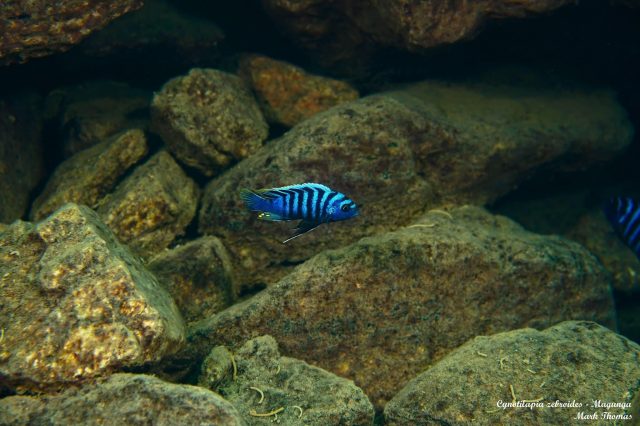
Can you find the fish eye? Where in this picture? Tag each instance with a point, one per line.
(345, 207)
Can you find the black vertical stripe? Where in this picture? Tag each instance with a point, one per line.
(290, 202)
(325, 205)
(317, 211)
(298, 207)
(309, 204)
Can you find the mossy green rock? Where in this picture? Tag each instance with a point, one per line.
(75, 304)
(266, 381)
(579, 362)
(385, 308)
(122, 399)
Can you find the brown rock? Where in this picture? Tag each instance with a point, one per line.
(573, 362)
(387, 307)
(119, 400)
(21, 153)
(403, 152)
(89, 175)
(208, 119)
(287, 94)
(342, 32)
(308, 394)
(39, 28)
(199, 277)
(151, 206)
(75, 304)
(91, 112)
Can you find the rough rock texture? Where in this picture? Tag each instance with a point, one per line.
(387, 307)
(572, 361)
(89, 175)
(199, 277)
(21, 159)
(75, 304)
(131, 399)
(39, 28)
(287, 94)
(594, 231)
(342, 32)
(159, 38)
(151, 206)
(91, 112)
(208, 119)
(403, 152)
(266, 381)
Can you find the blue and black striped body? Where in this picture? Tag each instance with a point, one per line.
(311, 203)
(624, 215)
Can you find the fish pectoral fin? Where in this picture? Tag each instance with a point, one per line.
(271, 217)
(302, 228)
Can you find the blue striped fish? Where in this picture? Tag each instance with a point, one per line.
(624, 215)
(311, 203)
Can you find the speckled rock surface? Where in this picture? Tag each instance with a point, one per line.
(385, 308)
(343, 32)
(208, 119)
(122, 399)
(199, 277)
(89, 175)
(39, 28)
(75, 304)
(572, 361)
(91, 112)
(267, 382)
(151, 206)
(287, 94)
(21, 153)
(403, 152)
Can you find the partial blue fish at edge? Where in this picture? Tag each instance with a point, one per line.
(311, 203)
(624, 215)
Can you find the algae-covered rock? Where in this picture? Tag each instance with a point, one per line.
(21, 153)
(37, 28)
(401, 153)
(122, 399)
(287, 94)
(579, 364)
(75, 304)
(387, 307)
(296, 392)
(89, 175)
(208, 119)
(199, 277)
(151, 206)
(91, 112)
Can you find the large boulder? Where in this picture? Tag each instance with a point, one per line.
(402, 152)
(75, 304)
(208, 119)
(119, 400)
(39, 28)
(343, 32)
(571, 373)
(387, 307)
(257, 380)
(88, 176)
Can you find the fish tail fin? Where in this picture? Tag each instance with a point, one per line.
(253, 200)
